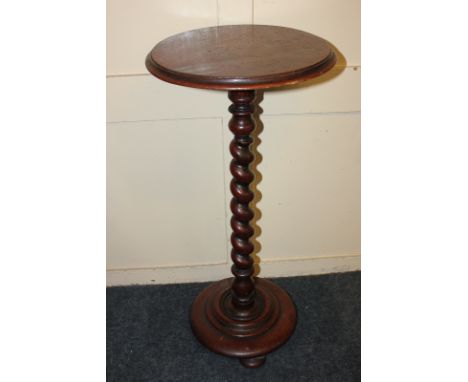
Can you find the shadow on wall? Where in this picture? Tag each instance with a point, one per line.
(334, 72)
(257, 179)
(339, 68)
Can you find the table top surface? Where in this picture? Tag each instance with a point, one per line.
(237, 57)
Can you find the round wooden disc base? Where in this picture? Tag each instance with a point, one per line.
(248, 335)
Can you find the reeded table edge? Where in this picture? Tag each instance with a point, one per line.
(228, 83)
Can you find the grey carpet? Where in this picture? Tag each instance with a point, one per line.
(149, 336)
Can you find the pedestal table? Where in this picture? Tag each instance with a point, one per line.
(244, 316)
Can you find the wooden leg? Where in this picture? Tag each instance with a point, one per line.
(253, 362)
(244, 316)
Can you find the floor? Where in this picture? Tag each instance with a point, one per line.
(149, 336)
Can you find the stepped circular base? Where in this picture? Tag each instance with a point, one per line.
(248, 336)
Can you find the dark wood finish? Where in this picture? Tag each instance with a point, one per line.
(244, 316)
(270, 323)
(240, 57)
(242, 125)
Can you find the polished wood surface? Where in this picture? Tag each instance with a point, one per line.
(240, 57)
(242, 125)
(270, 323)
(244, 316)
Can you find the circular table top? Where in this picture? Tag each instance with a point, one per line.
(236, 57)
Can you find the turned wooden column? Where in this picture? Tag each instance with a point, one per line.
(242, 125)
(244, 316)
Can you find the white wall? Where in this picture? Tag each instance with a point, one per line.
(168, 194)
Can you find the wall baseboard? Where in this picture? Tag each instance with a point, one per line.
(268, 268)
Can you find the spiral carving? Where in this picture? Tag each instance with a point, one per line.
(242, 125)
(245, 316)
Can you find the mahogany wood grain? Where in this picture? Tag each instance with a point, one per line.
(244, 316)
(237, 57)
